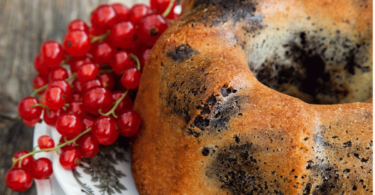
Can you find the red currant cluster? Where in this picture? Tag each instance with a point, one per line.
(78, 86)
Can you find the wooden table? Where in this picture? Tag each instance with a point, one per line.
(24, 26)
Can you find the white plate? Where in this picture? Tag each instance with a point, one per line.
(108, 173)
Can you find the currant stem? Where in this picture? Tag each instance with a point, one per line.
(169, 8)
(112, 111)
(34, 149)
(106, 71)
(135, 58)
(99, 38)
(36, 91)
(41, 105)
(74, 75)
(170, 21)
(50, 149)
(67, 58)
(19, 164)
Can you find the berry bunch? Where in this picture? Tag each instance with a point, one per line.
(83, 86)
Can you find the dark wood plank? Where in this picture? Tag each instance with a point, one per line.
(24, 26)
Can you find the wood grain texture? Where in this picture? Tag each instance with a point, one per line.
(24, 26)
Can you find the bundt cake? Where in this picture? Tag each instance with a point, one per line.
(257, 97)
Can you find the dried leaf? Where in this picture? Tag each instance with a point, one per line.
(104, 163)
(111, 170)
(117, 190)
(95, 160)
(120, 174)
(87, 171)
(118, 150)
(86, 192)
(103, 181)
(85, 160)
(107, 149)
(76, 173)
(83, 185)
(112, 184)
(95, 168)
(110, 191)
(111, 159)
(121, 186)
(102, 169)
(120, 156)
(101, 186)
(94, 179)
(112, 179)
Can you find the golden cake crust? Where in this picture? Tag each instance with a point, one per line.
(210, 127)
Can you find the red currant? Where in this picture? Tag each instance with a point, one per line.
(69, 125)
(40, 66)
(87, 72)
(27, 110)
(62, 140)
(77, 86)
(107, 80)
(143, 55)
(42, 168)
(88, 145)
(160, 6)
(88, 121)
(52, 53)
(76, 62)
(137, 12)
(70, 158)
(129, 122)
(76, 97)
(55, 97)
(78, 25)
(120, 62)
(91, 84)
(134, 45)
(45, 142)
(95, 31)
(18, 179)
(39, 82)
(122, 34)
(26, 163)
(97, 98)
(51, 118)
(131, 78)
(125, 104)
(58, 73)
(30, 123)
(103, 17)
(64, 86)
(76, 108)
(172, 16)
(105, 130)
(102, 52)
(150, 28)
(42, 98)
(77, 43)
(122, 11)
